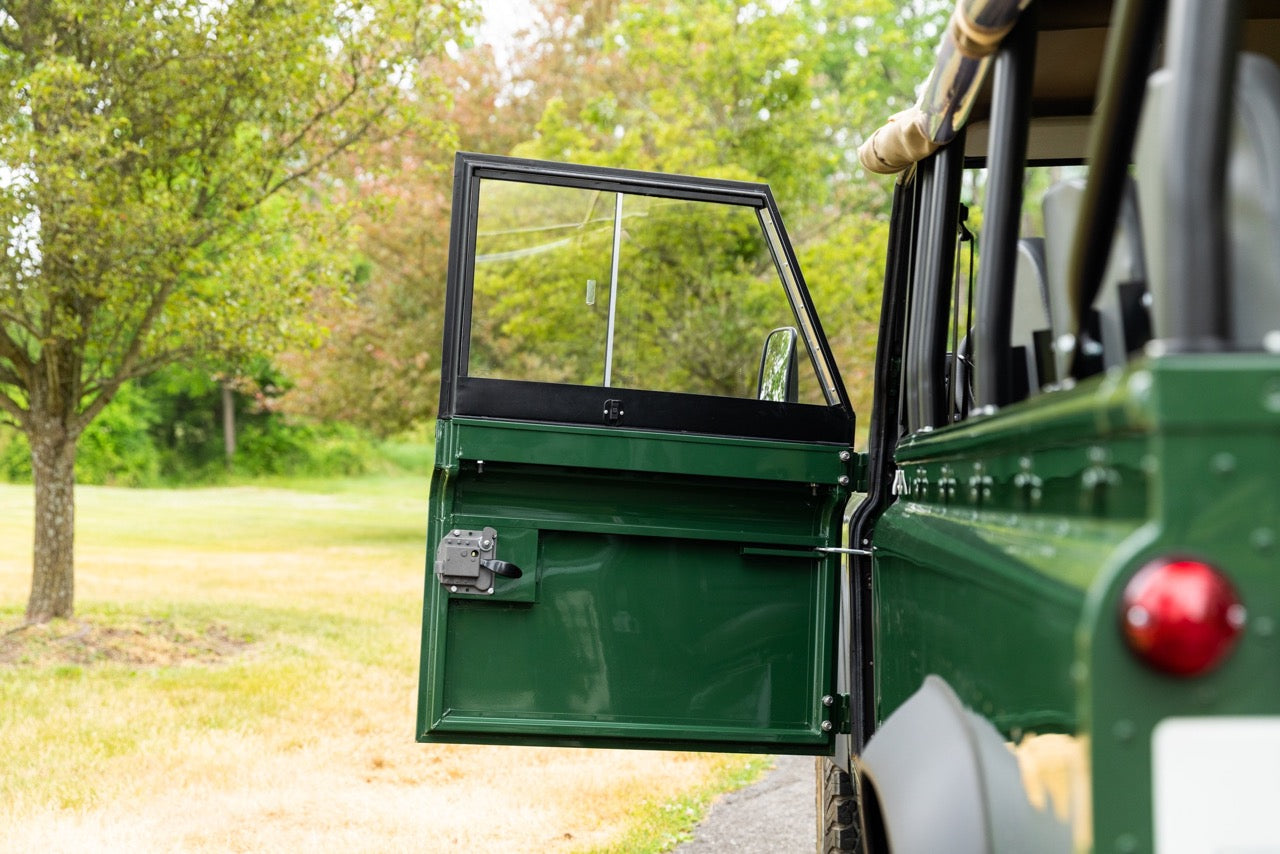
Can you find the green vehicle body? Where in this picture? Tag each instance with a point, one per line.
(689, 571)
(1013, 597)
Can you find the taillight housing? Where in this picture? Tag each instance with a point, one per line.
(1181, 616)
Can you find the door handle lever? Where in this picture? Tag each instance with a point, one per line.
(465, 562)
(505, 568)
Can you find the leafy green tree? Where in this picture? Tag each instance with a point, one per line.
(162, 165)
(774, 92)
(379, 364)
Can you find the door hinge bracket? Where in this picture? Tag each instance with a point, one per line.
(465, 561)
(860, 468)
(836, 711)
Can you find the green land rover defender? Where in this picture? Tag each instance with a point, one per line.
(1039, 612)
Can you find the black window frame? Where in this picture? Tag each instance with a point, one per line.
(465, 395)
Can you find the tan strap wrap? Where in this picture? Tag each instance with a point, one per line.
(902, 141)
(972, 39)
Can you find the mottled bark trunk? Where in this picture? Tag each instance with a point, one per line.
(228, 425)
(53, 462)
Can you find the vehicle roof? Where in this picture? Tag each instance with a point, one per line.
(1069, 55)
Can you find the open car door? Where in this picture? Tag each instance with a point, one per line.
(637, 488)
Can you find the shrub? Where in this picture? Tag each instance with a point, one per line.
(115, 449)
(15, 456)
(168, 430)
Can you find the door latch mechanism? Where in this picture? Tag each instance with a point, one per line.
(465, 561)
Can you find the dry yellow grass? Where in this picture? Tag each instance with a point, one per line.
(294, 733)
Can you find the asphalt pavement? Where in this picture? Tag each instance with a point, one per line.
(774, 816)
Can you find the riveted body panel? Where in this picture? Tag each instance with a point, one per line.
(1010, 590)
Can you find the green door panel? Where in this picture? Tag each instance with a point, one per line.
(642, 450)
(655, 608)
(644, 637)
(627, 523)
(638, 482)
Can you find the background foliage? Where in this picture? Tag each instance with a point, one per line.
(166, 430)
(776, 92)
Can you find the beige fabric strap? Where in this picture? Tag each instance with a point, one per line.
(902, 141)
(907, 138)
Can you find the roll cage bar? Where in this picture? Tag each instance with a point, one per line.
(1200, 43)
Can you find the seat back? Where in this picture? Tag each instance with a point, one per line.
(1253, 201)
(1253, 205)
(1030, 315)
(1115, 326)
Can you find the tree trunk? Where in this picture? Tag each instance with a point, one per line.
(228, 425)
(53, 469)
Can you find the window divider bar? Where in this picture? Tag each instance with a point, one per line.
(613, 290)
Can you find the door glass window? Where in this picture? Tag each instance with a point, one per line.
(593, 287)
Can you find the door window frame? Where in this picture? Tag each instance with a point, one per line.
(464, 395)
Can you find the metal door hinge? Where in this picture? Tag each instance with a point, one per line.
(837, 714)
(857, 467)
(465, 561)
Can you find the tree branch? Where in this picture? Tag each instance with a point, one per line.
(11, 408)
(326, 112)
(9, 349)
(351, 139)
(18, 320)
(357, 135)
(103, 394)
(140, 369)
(129, 361)
(8, 377)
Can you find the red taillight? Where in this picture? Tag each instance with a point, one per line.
(1181, 616)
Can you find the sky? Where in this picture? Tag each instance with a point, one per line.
(502, 18)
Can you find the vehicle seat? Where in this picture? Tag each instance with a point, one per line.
(1029, 334)
(1117, 324)
(1253, 201)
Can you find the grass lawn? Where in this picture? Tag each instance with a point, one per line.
(241, 676)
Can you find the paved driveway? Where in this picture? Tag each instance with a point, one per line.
(773, 816)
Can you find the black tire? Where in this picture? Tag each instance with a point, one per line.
(839, 819)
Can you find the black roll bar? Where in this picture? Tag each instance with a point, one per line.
(939, 178)
(1010, 117)
(1131, 47)
(1203, 41)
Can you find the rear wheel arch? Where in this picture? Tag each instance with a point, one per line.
(938, 777)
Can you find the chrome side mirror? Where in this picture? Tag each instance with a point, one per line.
(779, 376)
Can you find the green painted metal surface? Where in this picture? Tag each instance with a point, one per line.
(1215, 455)
(643, 451)
(671, 595)
(1001, 565)
(982, 566)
